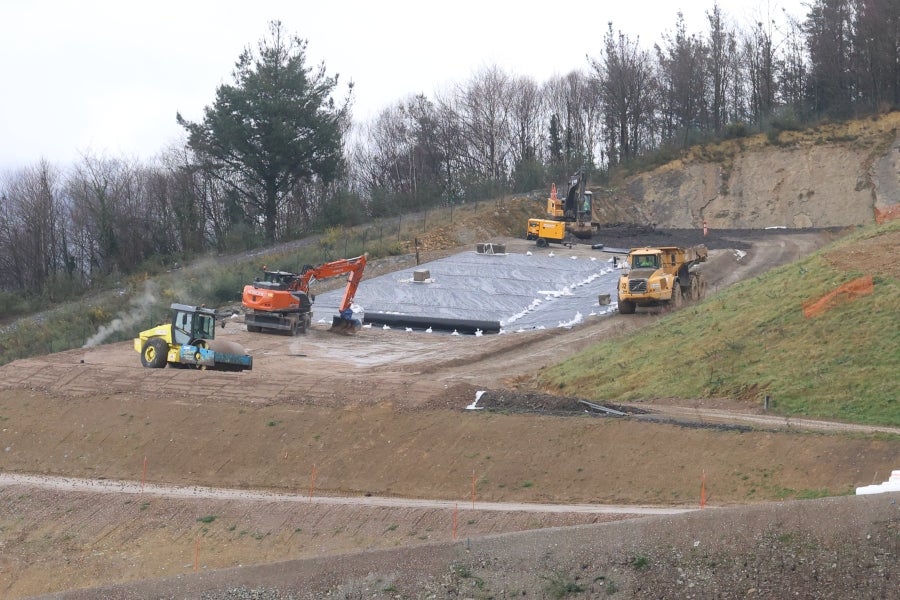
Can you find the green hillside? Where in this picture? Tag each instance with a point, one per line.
(752, 340)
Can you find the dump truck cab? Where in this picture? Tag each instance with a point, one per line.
(645, 261)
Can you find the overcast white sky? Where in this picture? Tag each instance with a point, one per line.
(106, 77)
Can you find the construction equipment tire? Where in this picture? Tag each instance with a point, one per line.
(153, 354)
(627, 307)
(677, 295)
(697, 285)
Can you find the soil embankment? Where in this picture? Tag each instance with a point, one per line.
(379, 415)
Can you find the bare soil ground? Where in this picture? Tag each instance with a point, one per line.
(336, 444)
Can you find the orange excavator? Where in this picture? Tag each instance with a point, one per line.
(281, 301)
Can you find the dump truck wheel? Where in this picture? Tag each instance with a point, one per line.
(627, 307)
(153, 355)
(677, 295)
(697, 286)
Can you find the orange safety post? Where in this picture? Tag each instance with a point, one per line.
(705, 229)
(143, 477)
(455, 510)
(703, 489)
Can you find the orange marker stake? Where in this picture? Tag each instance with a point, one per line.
(703, 489)
(143, 477)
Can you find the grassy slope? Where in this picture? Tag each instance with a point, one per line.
(752, 340)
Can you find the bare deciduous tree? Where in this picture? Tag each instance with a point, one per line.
(682, 78)
(721, 44)
(32, 232)
(627, 87)
(876, 60)
(829, 31)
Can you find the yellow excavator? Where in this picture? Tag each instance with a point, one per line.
(189, 341)
(572, 214)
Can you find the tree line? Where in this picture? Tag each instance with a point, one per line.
(277, 154)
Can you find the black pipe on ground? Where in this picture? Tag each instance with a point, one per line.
(463, 326)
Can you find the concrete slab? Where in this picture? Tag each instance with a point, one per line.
(523, 291)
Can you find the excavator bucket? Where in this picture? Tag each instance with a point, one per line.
(345, 326)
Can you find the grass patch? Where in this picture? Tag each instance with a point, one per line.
(752, 340)
(560, 585)
(207, 519)
(640, 562)
(464, 572)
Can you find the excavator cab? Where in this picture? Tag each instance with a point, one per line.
(276, 280)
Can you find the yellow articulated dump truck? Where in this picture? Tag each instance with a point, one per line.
(666, 275)
(188, 340)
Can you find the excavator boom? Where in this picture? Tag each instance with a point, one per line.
(344, 321)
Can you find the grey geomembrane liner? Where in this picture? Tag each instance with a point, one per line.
(521, 291)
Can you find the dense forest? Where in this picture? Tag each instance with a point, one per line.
(278, 154)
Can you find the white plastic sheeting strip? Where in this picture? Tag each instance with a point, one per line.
(891, 485)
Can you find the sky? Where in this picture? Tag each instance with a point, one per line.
(106, 78)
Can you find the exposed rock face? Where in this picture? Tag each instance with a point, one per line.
(833, 176)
